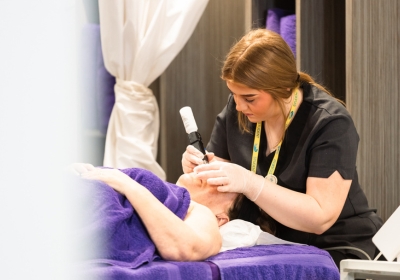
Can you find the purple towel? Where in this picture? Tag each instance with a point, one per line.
(113, 227)
(288, 31)
(276, 262)
(274, 16)
(284, 23)
(159, 269)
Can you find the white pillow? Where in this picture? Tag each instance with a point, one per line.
(239, 233)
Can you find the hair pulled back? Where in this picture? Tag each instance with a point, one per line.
(262, 60)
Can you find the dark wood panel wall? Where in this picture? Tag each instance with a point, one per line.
(193, 79)
(373, 96)
(321, 43)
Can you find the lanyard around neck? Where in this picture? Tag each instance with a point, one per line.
(257, 137)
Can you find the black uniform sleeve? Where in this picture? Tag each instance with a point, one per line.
(334, 148)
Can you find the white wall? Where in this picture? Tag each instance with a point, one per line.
(38, 128)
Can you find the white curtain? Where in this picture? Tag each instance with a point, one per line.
(139, 40)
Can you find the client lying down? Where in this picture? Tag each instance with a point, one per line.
(182, 227)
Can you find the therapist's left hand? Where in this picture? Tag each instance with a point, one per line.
(230, 177)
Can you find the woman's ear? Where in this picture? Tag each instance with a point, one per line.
(222, 219)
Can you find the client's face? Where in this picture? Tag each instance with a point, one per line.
(205, 194)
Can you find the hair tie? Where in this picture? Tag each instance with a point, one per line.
(298, 78)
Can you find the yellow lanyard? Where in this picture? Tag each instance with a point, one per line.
(257, 137)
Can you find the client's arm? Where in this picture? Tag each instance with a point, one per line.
(197, 237)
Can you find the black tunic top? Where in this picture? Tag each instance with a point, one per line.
(321, 139)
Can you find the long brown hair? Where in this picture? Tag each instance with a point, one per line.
(262, 60)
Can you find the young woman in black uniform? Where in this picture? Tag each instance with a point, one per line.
(290, 147)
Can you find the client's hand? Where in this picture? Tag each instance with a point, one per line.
(230, 177)
(192, 158)
(78, 168)
(116, 179)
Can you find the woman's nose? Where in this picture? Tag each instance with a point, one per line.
(240, 105)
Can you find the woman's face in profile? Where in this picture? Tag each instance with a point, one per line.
(203, 193)
(256, 105)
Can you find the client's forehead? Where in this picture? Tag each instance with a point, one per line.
(206, 194)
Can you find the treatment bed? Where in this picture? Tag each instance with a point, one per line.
(119, 246)
(258, 262)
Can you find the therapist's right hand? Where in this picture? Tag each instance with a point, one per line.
(192, 158)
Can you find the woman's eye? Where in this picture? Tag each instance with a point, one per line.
(249, 100)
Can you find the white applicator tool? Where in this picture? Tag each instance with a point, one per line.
(191, 130)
